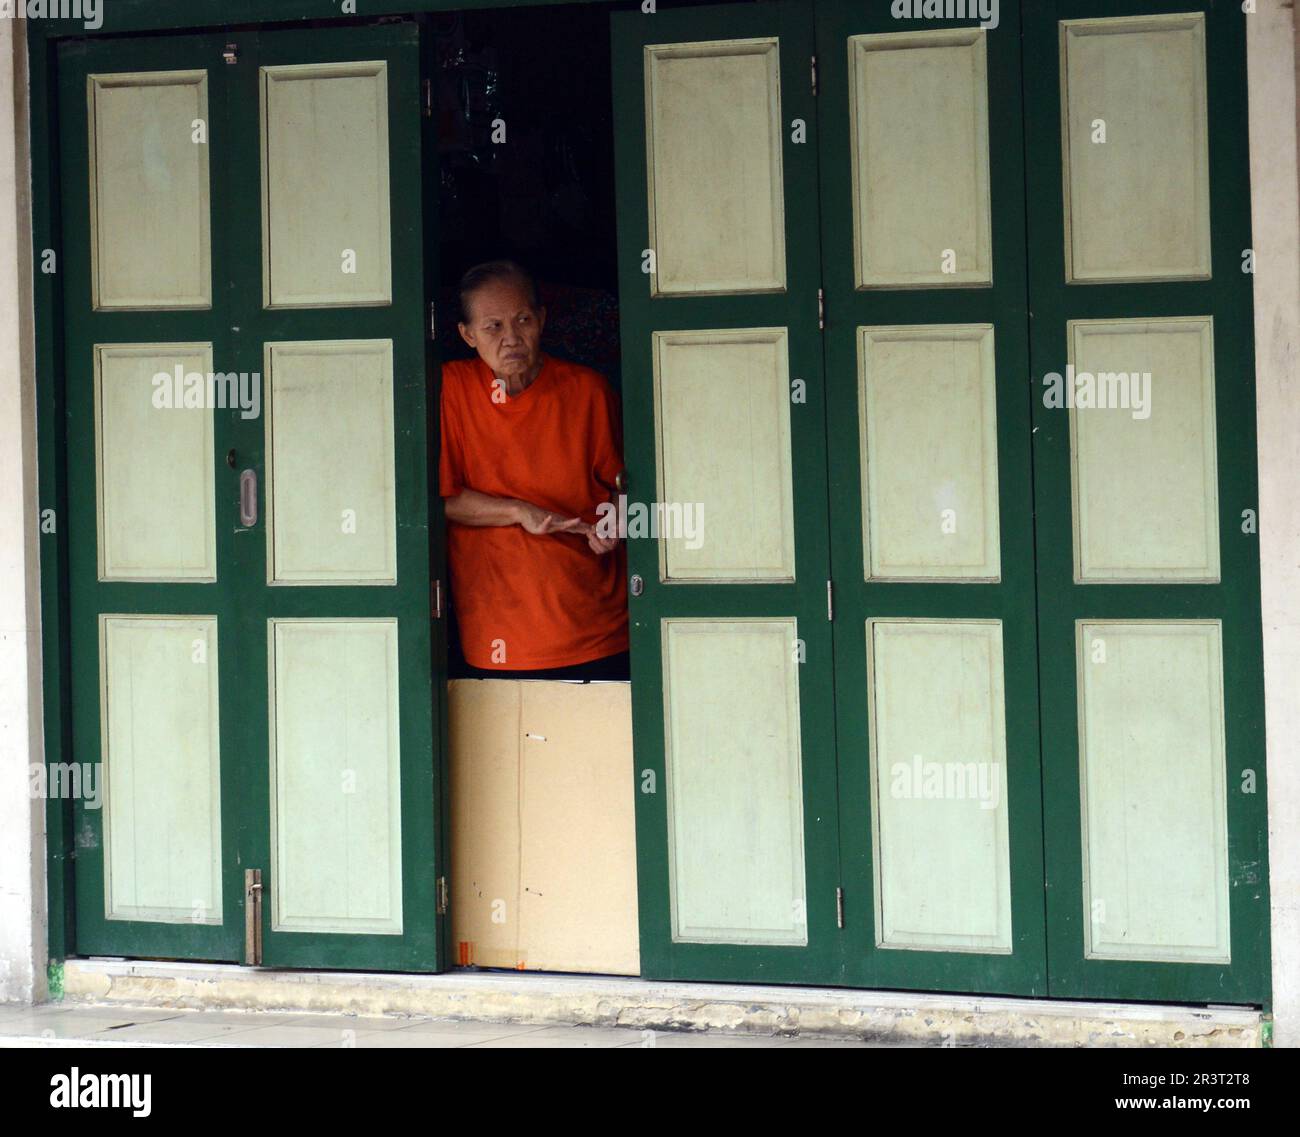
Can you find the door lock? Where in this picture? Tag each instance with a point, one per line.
(637, 583)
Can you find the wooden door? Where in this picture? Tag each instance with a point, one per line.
(1149, 609)
(931, 515)
(724, 410)
(251, 638)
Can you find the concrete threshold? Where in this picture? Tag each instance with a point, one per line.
(890, 1017)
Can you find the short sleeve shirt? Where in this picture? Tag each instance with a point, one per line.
(526, 602)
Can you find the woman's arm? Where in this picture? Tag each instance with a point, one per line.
(470, 507)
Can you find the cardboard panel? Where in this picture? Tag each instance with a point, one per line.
(543, 832)
(577, 892)
(483, 727)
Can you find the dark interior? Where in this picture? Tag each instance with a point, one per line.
(545, 197)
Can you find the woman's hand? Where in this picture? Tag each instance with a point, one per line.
(541, 523)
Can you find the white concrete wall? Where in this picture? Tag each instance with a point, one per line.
(1275, 222)
(22, 819)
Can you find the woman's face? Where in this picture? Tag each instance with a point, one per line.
(505, 329)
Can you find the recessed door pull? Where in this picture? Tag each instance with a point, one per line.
(248, 499)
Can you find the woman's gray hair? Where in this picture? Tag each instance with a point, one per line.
(489, 272)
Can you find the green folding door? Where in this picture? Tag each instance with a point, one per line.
(247, 470)
(856, 249)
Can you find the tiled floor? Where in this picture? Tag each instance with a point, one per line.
(61, 1025)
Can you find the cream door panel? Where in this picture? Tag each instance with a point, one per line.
(713, 142)
(918, 113)
(1144, 467)
(1153, 788)
(150, 238)
(155, 495)
(938, 786)
(734, 781)
(336, 826)
(722, 423)
(1134, 140)
(927, 419)
(331, 497)
(161, 768)
(325, 202)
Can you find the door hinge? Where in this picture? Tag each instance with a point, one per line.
(814, 76)
(830, 600)
(821, 308)
(252, 917)
(442, 897)
(426, 90)
(839, 907)
(435, 600)
(433, 322)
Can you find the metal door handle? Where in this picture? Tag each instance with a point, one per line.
(248, 498)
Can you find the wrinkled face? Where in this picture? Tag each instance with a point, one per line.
(505, 329)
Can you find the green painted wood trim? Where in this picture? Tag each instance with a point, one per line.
(417, 948)
(795, 309)
(81, 329)
(120, 16)
(1236, 601)
(1011, 601)
(52, 493)
(241, 598)
(436, 512)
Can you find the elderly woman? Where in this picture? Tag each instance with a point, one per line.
(531, 446)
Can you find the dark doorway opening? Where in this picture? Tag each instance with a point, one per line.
(526, 172)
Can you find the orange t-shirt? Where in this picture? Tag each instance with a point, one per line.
(539, 601)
